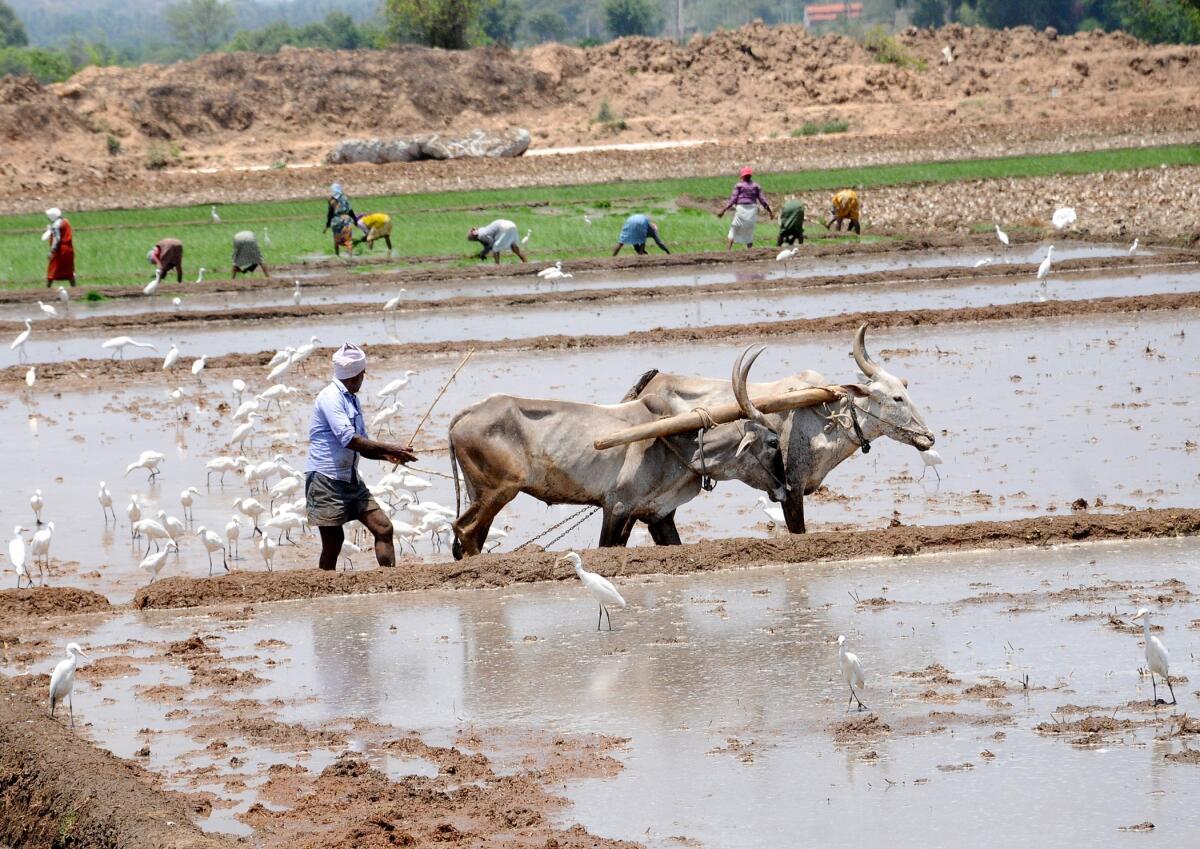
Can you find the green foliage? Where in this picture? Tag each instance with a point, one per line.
(159, 156)
(1160, 21)
(966, 15)
(501, 20)
(1060, 14)
(929, 13)
(201, 26)
(890, 51)
(49, 66)
(632, 17)
(813, 128)
(12, 31)
(605, 113)
(434, 23)
(338, 32)
(546, 25)
(113, 144)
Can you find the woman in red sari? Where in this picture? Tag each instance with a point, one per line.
(62, 249)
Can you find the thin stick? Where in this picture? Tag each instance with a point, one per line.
(438, 397)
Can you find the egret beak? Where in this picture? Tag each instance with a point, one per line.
(84, 656)
(1137, 617)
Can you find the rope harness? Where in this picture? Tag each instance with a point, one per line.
(848, 419)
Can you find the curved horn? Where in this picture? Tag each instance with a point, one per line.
(741, 370)
(860, 353)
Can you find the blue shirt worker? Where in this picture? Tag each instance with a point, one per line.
(333, 489)
(636, 229)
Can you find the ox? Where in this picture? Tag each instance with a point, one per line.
(507, 445)
(815, 440)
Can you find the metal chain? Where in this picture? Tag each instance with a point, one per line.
(557, 525)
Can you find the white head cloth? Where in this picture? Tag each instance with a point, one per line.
(349, 361)
(54, 213)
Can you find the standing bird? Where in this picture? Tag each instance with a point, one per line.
(118, 344)
(1063, 217)
(932, 460)
(600, 587)
(528, 233)
(18, 344)
(239, 386)
(392, 389)
(31, 376)
(186, 499)
(48, 309)
(771, 511)
(1132, 250)
(296, 296)
(198, 364)
(266, 237)
(177, 303)
(39, 547)
(153, 563)
(174, 528)
(216, 219)
(1002, 236)
(1044, 268)
(233, 532)
(171, 358)
(391, 303)
(105, 499)
(251, 508)
(243, 431)
(786, 254)
(212, 543)
(221, 465)
(36, 502)
(148, 460)
(266, 547)
(386, 415)
(152, 286)
(200, 276)
(555, 270)
(852, 672)
(1157, 657)
(63, 296)
(16, 553)
(134, 512)
(62, 680)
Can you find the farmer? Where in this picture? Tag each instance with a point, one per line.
(167, 255)
(634, 232)
(333, 489)
(378, 225)
(340, 216)
(791, 223)
(246, 254)
(497, 237)
(845, 208)
(61, 264)
(746, 197)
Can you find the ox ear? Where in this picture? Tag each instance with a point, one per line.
(748, 439)
(658, 406)
(856, 390)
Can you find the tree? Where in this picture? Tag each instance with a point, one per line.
(1159, 21)
(1060, 14)
(200, 25)
(436, 23)
(929, 13)
(500, 20)
(632, 17)
(547, 25)
(12, 31)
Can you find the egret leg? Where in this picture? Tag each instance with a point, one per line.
(1153, 689)
(210, 565)
(1172, 689)
(939, 474)
(71, 707)
(599, 617)
(924, 472)
(224, 560)
(608, 616)
(52, 704)
(861, 706)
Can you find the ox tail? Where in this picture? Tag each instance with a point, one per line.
(457, 484)
(632, 394)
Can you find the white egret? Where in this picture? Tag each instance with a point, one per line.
(386, 415)
(216, 219)
(349, 548)
(106, 501)
(37, 503)
(134, 511)
(39, 548)
(852, 672)
(251, 508)
(177, 303)
(62, 680)
(278, 371)
(391, 303)
(152, 530)
(31, 376)
(148, 460)
(786, 254)
(1044, 268)
(16, 553)
(296, 296)
(1157, 657)
(153, 563)
(187, 498)
(772, 511)
(63, 295)
(200, 276)
(243, 432)
(244, 409)
(233, 532)
(198, 364)
(179, 398)
(1063, 217)
(18, 344)
(48, 309)
(1002, 236)
(266, 237)
(152, 287)
(554, 270)
(276, 393)
(286, 487)
(118, 344)
(174, 528)
(1133, 247)
(528, 233)
(171, 358)
(212, 543)
(599, 586)
(283, 522)
(982, 262)
(392, 388)
(947, 54)
(304, 351)
(281, 355)
(266, 547)
(239, 386)
(932, 460)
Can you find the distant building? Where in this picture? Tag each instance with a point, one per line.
(827, 13)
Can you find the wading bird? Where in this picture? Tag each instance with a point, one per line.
(1157, 657)
(296, 296)
(118, 344)
(175, 528)
(266, 547)
(152, 530)
(243, 432)
(31, 376)
(186, 498)
(600, 587)
(198, 364)
(772, 511)
(786, 254)
(39, 548)
(982, 262)
(1002, 236)
(239, 386)
(1132, 249)
(1044, 268)
(18, 344)
(36, 502)
(1063, 217)
(528, 233)
(48, 309)
(105, 499)
(152, 286)
(391, 303)
(392, 388)
(63, 296)
(200, 276)
(171, 358)
(153, 563)
(16, 553)
(386, 415)
(212, 543)
(216, 219)
(251, 508)
(233, 532)
(134, 511)
(932, 460)
(852, 672)
(62, 680)
(148, 460)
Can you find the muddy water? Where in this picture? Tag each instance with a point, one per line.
(726, 685)
(1096, 412)
(219, 338)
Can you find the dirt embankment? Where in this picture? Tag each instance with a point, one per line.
(522, 567)
(756, 82)
(45, 601)
(58, 790)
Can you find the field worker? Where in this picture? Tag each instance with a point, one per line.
(333, 489)
(845, 208)
(61, 260)
(497, 237)
(635, 230)
(378, 225)
(340, 216)
(167, 255)
(791, 223)
(246, 254)
(745, 199)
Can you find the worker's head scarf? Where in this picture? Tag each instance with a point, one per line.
(150, 257)
(54, 213)
(349, 361)
(336, 190)
(747, 172)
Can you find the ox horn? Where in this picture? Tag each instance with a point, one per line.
(741, 370)
(860, 353)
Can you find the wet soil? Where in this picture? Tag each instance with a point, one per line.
(504, 569)
(49, 601)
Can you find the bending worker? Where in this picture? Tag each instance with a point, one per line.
(791, 223)
(378, 226)
(247, 255)
(333, 489)
(496, 238)
(845, 208)
(635, 230)
(164, 256)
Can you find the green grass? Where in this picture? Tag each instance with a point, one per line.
(812, 128)
(111, 245)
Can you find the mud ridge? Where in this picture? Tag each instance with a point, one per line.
(525, 567)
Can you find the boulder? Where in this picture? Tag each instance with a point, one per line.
(478, 144)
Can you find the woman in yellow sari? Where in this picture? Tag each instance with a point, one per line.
(845, 208)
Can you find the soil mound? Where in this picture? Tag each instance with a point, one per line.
(43, 601)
